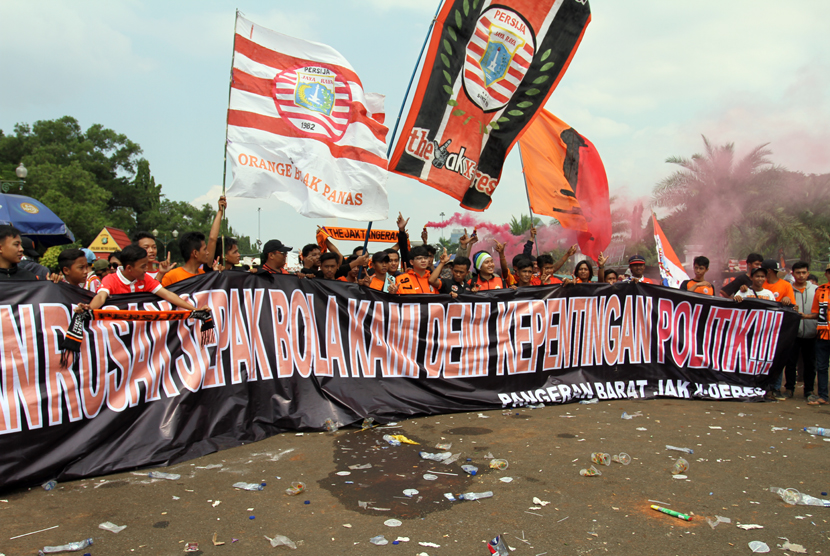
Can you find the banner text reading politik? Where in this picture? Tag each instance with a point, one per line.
(291, 353)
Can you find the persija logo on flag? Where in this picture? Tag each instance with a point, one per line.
(490, 68)
(301, 128)
(670, 268)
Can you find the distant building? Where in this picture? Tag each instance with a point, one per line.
(456, 235)
(108, 241)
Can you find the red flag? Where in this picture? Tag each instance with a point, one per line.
(489, 69)
(566, 180)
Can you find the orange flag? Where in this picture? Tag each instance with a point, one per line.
(566, 179)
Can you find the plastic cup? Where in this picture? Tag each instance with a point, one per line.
(601, 458)
(680, 466)
(622, 458)
(296, 488)
(499, 464)
(590, 472)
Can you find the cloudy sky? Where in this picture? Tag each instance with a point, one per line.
(649, 79)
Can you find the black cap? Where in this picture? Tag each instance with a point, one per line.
(770, 264)
(380, 257)
(273, 245)
(29, 248)
(636, 259)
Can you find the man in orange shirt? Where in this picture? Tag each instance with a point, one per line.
(781, 289)
(416, 279)
(195, 251)
(819, 312)
(698, 284)
(381, 280)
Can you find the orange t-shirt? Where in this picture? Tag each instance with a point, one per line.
(706, 290)
(494, 283)
(537, 280)
(177, 275)
(780, 290)
(410, 282)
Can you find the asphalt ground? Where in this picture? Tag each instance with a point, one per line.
(740, 450)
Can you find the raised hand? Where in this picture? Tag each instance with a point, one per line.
(532, 233)
(424, 235)
(402, 222)
(601, 260)
(499, 247)
(166, 266)
(572, 250)
(223, 203)
(464, 239)
(444, 257)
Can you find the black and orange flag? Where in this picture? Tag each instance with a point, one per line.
(490, 68)
(566, 179)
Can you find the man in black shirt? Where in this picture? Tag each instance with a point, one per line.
(460, 270)
(753, 261)
(11, 251)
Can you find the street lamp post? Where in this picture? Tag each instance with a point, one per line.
(164, 241)
(442, 229)
(21, 173)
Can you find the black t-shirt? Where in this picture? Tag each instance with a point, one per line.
(316, 272)
(14, 272)
(450, 286)
(732, 287)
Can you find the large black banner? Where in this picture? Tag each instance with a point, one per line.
(291, 353)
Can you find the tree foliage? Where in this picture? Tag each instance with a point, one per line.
(731, 207)
(96, 178)
(523, 224)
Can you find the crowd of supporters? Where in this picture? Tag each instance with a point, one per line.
(403, 270)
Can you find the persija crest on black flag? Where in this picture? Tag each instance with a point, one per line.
(490, 68)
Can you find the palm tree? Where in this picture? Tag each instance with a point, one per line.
(712, 194)
(523, 224)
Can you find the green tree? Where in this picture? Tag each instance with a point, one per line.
(86, 178)
(710, 193)
(523, 224)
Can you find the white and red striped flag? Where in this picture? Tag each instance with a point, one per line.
(301, 128)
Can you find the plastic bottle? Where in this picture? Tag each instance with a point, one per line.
(71, 547)
(475, 495)
(470, 469)
(162, 475)
(687, 450)
(392, 441)
(793, 497)
(49, 485)
(818, 431)
(594, 400)
(248, 486)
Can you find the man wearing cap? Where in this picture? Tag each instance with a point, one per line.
(274, 257)
(819, 312)
(381, 279)
(100, 268)
(781, 289)
(637, 266)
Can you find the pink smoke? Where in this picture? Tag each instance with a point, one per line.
(549, 238)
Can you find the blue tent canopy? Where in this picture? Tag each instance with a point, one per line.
(34, 220)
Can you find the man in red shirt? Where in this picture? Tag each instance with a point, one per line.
(132, 278)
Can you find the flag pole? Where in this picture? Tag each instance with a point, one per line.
(225, 158)
(529, 208)
(400, 113)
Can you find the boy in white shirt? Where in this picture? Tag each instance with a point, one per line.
(757, 291)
